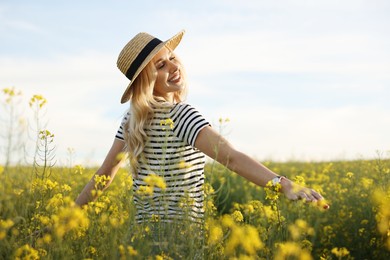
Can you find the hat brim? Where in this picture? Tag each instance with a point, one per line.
(172, 43)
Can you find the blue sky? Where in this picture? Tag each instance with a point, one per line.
(302, 80)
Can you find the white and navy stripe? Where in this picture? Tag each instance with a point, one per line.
(170, 153)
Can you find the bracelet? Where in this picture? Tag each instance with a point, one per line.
(277, 180)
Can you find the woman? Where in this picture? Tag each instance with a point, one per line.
(167, 139)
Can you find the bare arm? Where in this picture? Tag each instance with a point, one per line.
(109, 168)
(215, 146)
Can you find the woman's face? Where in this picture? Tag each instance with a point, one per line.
(169, 77)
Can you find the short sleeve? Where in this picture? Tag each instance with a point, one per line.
(187, 122)
(120, 133)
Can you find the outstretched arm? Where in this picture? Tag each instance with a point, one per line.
(215, 146)
(109, 168)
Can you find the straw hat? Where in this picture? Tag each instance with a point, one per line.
(138, 52)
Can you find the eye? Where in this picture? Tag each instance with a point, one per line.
(172, 58)
(160, 65)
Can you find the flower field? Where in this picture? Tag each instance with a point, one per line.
(39, 220)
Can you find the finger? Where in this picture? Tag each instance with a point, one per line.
(298, 195)
(316, 195)
(302, 195)
(312, 195)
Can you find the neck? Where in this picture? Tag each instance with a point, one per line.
(168, 97)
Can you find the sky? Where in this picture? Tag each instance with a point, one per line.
(298, 80)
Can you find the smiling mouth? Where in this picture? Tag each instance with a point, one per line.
(175, 78)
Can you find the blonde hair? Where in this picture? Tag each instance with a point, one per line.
(141, 111)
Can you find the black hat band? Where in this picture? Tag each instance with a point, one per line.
(141, 57)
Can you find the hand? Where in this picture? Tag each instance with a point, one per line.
(294, 191)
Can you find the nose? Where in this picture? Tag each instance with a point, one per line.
(173, 67)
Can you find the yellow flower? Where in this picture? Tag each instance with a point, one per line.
(114, 222)
(183, 165)
(131, 251)
(39, 100)
(237, 216)
(26, 252)
(122, 252)
(163, 257)
(340, 252)
(155, 218)
(292, 250)
(350, 175)
(299, 180)
(154, 180)
(222, 120)
(249, 209)
(120, 156)
(227, 221)
(367, 182)
(18, 191)
(209, 206)
(70, 220)
(46, 238)
(272, 191)
(78, 169)
(4, 226)
(246, 236)
(382, 200)
(306, 244)
(55, 202)
(208, 189)
(167, 122)
(186, 201)
(45, 220)
(42, 252)
(10, 93)
(252, 242)
(300, 227)
(97, 206)
(66, 187)
(361, 231)
(270, 214)
(145, 190)
(91, 250)
(127, 181)
(41, 186)
(101, 181)
(147, 229)
(245, 257)
(46, 135)
(215, 232)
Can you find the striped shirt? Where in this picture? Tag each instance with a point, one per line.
(170, 153)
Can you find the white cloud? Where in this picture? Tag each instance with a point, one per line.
(307, 134)
(82, 93)
(274, 52)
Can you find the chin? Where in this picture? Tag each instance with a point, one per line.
(176, 88)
